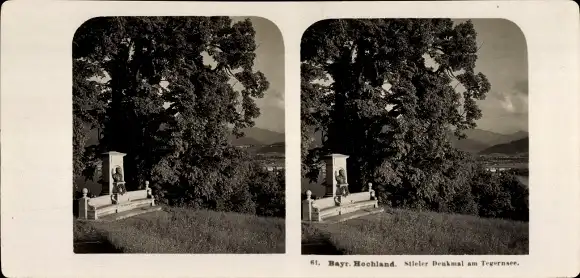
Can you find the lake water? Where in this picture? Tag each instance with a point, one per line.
(524, 180)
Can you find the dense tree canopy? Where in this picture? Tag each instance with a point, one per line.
(161, 89)
(384, 91)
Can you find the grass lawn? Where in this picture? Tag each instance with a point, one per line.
(176, 230)
(403, 232)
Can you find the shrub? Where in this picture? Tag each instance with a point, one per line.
(465, 188)
(464, 202)
(518, 197)
(238, 183)
(500, 195)
(267, 190)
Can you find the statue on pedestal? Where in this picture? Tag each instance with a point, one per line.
(118, 181)
(342, 187)
(341, 182)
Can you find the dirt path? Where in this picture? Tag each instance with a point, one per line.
(316, 242)
(319, 247)
(94, 247)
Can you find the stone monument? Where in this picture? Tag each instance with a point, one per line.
(338, 204)
(112, 168)
(336, 178)
(115, 201)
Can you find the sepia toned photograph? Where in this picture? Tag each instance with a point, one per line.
(179, 141)
(414, 137)
(406, 132)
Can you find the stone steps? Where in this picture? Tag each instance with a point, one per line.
(119, 208)
(128, 213)
(344, 209)
(319, 247)
(94, 247)
(352, 215)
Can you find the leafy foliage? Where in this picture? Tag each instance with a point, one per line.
(162, 91)
(500, 195)
(368, 87)
(268, 192)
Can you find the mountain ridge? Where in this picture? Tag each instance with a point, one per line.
(512, 147)
(478, 139)
(258, 136)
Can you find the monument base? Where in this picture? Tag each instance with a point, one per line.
(129, 213)
(96, 208)
(322, 209)
(121, 199)
(352, 215)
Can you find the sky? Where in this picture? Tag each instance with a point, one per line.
(503, 59)
(270, 61)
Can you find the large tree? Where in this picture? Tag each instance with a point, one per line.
(162, 90)
(385, 92)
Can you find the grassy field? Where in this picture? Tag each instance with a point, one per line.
(187, 231)
(402, 232)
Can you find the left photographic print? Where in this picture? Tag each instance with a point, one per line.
(178, 135)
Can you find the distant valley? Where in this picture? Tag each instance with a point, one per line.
(261, 141)
(487, 142)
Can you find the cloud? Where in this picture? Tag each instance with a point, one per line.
(272, 98)
(273, 118)
(507, 104)
(504, 112)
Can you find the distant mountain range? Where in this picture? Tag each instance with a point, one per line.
(258, 136)
(513, 147)
(485, 142)
(492, 138)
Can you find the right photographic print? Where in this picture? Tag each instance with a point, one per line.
(414, 137)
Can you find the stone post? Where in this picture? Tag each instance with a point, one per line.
(373, 197)
(334, 163)
(307, 206)
(149, 193)
(84, 205)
